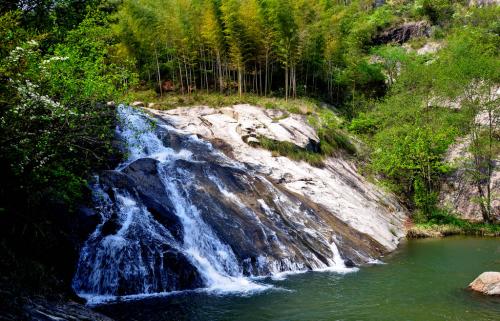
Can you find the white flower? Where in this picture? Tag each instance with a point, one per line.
(55, 58)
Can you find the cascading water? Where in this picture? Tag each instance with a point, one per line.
(178, 214)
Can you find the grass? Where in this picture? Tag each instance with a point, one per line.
(304, 106)
(331, 141)
(291, 151)
(441, 223)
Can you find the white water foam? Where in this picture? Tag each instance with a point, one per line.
(214, 260)
(246, 287)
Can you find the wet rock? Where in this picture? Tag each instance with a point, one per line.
(487, 283)
(349, 263)
(193, 216)
(141, 178)
(88, 219)
(181, 273)
(111, 226)
(44, 310)
(115, 179)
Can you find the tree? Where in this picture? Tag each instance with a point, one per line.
(213, 36)
(470, 72)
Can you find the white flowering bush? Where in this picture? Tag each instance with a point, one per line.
(55, 126)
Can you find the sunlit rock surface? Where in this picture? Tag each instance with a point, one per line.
(337, 187)
(487, 283)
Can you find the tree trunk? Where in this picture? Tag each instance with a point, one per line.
(180, 76)
(219, 68)
(240, 80)
(286, 82)
(159, 75)
(267, 73)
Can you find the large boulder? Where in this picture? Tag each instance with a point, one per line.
(344, 194)
(487, 283)
(250, 123)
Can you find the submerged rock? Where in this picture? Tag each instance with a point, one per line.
(487, 283)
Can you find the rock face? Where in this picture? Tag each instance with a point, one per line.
(403, 33)
(430, 47)
(487, 283)
(458, 191)
(337, 187)
(186, 212)
(155, 236)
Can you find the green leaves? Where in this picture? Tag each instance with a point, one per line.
(54, 125)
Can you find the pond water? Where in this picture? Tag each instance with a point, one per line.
(423, 280)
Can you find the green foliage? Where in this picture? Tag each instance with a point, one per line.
(332, 137)
(411, 128)
(272, 47)
(291, 151)
(411, 158)
(438, 11)
(364, 124)
(55, 127)
(446, 223)
(56, 74)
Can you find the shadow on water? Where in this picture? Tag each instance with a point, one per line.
(423, 280)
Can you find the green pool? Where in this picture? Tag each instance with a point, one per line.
(424, 280)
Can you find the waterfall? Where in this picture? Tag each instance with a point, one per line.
(177, 214)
